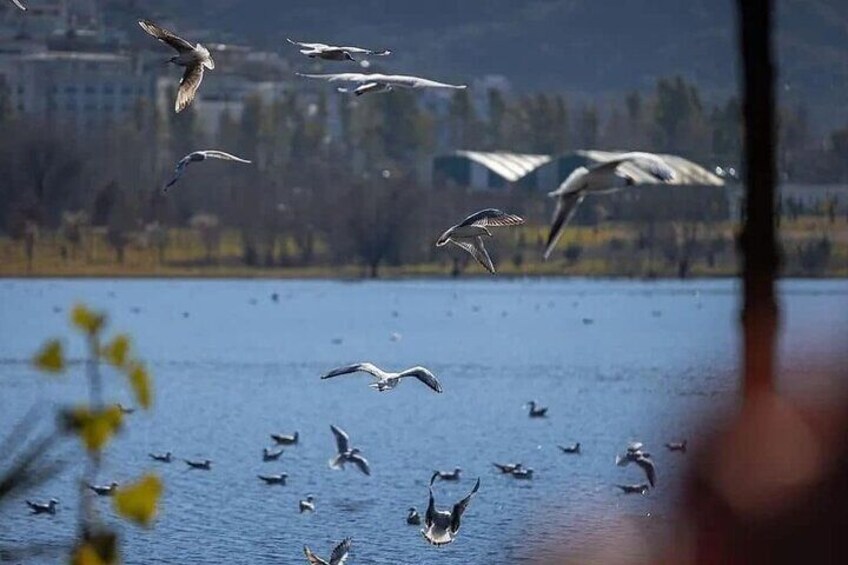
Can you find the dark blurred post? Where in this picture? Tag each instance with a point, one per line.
(758, 241)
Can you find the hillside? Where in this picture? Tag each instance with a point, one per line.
(586, 47)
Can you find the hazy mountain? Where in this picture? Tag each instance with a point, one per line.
(588, 47)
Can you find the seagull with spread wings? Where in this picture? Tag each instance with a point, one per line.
(346, 454)
(381, 83)
(196, 157)
(19, 4)
(468, 234)
(334, 52)
(337, 557)
(385, 380)
(442, 526)
(195, 58)
(599, 179)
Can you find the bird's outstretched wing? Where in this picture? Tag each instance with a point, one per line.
(477, 250)
(491, 217)
(166, 36)
(19, 4)
(356, 368)
(647, 162)
(361, 463)
(192, 77)
(406, 81)
(340, 552)
(423, 375)
(361, 51)
(650, 469)
(566, 206)
(215, 154)
(340, 77)
(309, 46)
(459, 507)
(312, 558)
(342, 439)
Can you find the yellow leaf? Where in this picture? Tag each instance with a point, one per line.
(116, 352)
(140, 383)
(50, 358)
(138, 501)
(95, 428)
(87, 320)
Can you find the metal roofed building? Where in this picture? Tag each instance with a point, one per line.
(497, 171)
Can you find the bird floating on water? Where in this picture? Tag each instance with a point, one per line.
(537, 411)
(196, 157)
(195, 58)
(335, 53)
(104, 490)
(19, 4)
(125, 409)
(507, 468)
(346, 454)
(468, 234)
(161, 457)
(337, 557)
(268, 455)
(676, 446)
(274, 479)
(570, 448)
(204, 465)
(442, 526)
(523, 473)
(283, 439)
(448, 475)
(602, 178)
(385, 380)
(48, 507)
(413, 518)
(307, 505)
(381, 83)
(634, 489)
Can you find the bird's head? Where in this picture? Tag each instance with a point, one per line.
(114, 484)
(457, 470)
(348, 57)
(53, 502)
(412, 509)
(310, 498)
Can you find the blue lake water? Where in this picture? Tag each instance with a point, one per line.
(656, 363)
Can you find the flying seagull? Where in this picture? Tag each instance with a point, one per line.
(193, 57)
(283, 439)
(346, 454)
(104, 490)
(635, 454)
(606, 177)
(161, 457)
(43, 507)
(381, 83)
(196, 157)
(337, 557)
(274, 479)
(335, 53)
(307, 505)
(387, 381)
(537, 411)
(468, 234)
(19, 4)
(442, 526)
(448, 475)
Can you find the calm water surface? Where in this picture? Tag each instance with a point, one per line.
(615, 361)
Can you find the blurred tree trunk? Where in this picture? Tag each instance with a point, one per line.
(758, 239)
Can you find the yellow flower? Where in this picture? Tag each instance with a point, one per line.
(50, 358)
(95, 428)
(140, 383)
(87, 320)
(117, 351)
(138, 501)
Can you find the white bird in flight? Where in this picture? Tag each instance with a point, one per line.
(381, 83)
(385, 380)
(346, 454)
(335, 53)
(337, 557)
(442, 526)
(19, 4)
(468, 234)
(603, 178)
(193, 57)
(196, 157)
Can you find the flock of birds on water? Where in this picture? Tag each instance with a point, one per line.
(440, 527)
(467, 235)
